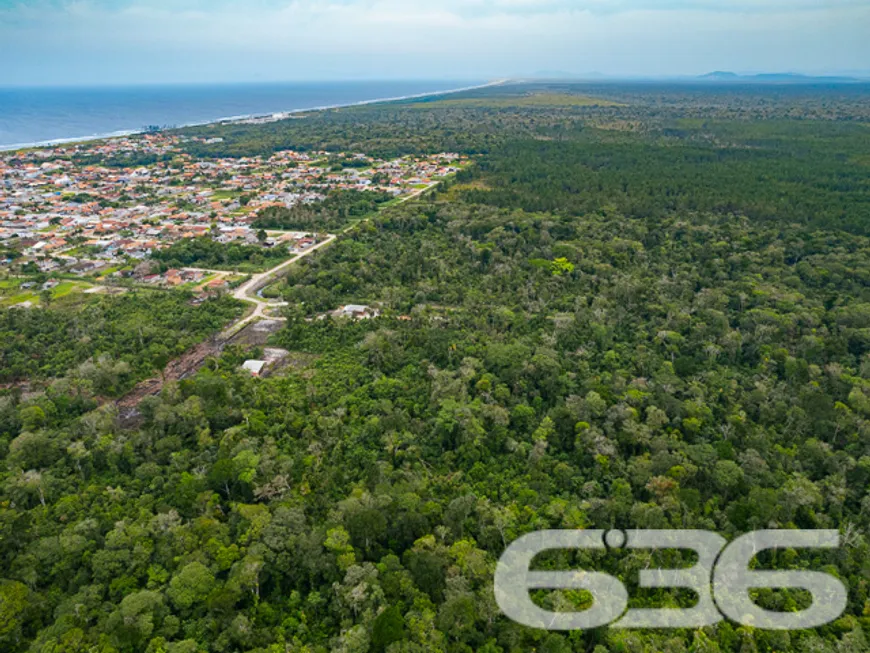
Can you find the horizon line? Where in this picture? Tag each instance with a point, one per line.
(555, 75)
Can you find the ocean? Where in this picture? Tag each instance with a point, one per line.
(35, 116)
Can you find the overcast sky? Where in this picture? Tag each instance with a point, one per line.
(49, 42)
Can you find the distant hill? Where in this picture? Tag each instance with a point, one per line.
(781, 78)
(719, 75)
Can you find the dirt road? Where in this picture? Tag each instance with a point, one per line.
(193, 359)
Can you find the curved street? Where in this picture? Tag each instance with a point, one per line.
(247, 292)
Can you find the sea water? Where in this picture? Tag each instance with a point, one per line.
(31, 116)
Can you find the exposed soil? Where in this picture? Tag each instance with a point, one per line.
(190, 363)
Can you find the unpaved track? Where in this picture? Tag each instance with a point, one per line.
(194, 358)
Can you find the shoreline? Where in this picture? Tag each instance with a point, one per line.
(57, 142)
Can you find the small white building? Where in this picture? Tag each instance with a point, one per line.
(358, 312)
(254, 367)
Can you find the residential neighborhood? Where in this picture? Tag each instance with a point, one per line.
(87, 207)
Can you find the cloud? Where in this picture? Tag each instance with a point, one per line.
(178, 40)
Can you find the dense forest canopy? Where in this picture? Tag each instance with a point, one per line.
(503, 113)
(805, 173)
(651, 312)
(139, 331)
(331, 214)
(205, 252)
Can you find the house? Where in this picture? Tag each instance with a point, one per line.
(85, 267)
(255, 367)
(357, 312)
(173, 278)
(48, 265)
(216, 284)
(301, 245)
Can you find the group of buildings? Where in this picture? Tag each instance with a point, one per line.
(125, 198)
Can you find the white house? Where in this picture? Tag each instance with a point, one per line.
(254, 367)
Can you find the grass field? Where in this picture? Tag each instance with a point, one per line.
(11, 293)
(68, 287)
(20, 298)
(103, 274)
(455, 192)
(219, 195)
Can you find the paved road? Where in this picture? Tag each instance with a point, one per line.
(406, 198)
(247, 292)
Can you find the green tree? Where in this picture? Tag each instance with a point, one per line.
(191, 585)
(388, 627)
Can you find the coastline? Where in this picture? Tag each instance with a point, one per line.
(56, 142)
